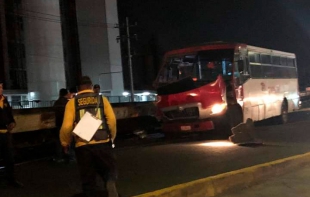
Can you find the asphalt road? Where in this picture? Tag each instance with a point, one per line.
(151, 164)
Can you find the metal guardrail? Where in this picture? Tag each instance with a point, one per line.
(112, 99)
(30, 104)
(127, 99)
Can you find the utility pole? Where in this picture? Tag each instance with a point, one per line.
(128, 37)
(129, 61)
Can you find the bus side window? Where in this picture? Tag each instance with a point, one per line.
(268, 72)
(256, 71)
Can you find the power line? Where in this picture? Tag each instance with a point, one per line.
(39, 12)
(60, 16)
(79, 23)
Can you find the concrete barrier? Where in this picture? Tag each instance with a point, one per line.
(215, 185)
(34, 119)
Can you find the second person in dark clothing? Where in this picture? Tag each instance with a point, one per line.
(7, 124)
(59, 109)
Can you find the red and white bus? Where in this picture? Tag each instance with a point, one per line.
(219, 85)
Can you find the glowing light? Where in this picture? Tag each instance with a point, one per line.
(218, 108)
(193, 94)
(218, 144)
(145, 93)
(125, 93)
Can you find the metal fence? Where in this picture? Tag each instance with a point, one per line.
(30, 104)
(127, 99)
(112, 99)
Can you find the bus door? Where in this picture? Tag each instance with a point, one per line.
(241, 74)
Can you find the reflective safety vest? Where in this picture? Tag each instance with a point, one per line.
(88, 102)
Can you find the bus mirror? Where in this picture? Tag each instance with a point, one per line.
(240, 66)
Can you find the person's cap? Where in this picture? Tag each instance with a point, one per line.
(96, 86)
(85, 80)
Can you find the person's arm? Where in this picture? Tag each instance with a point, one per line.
(110, 116)
(67, 125)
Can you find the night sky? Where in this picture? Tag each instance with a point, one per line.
(276, 24)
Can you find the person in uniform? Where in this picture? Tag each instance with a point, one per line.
(7, 124)
(96, 155)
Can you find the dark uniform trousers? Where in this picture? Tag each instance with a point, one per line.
(6, 152)
(93, 159)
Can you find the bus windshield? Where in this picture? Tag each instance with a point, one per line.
(213, 63)
(203, 66)
(176, 68)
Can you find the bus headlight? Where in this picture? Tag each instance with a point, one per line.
(218, 108)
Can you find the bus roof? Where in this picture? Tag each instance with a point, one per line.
(225, 45)
(269, 51)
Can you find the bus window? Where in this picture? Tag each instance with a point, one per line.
(265, 59)
(163, 73)
(166, 73)
(185, 70)
(276, 60)
(254, 57)
(214, 63)
(268, 72)
(278, 72)
(173, 71)
(211, 70)
(283, 61)
(292, 72)
(176, 68)
(256, 71)
(290, 62)
(186, 67)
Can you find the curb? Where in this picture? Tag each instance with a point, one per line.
(218, 184)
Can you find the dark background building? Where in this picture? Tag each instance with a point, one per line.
(48, 45)
(12, 46)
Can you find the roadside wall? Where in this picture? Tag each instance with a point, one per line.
(44, 118)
